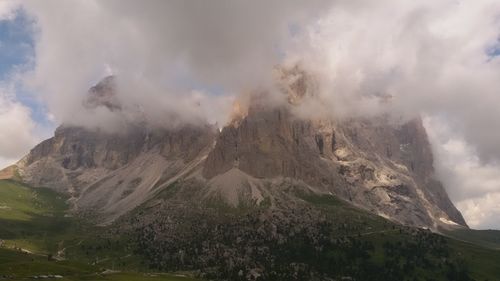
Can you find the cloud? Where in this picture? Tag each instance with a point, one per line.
(8, 9)
(432, 57)
(165, 53)
(18, 133)
(472, 185)
(481, 212)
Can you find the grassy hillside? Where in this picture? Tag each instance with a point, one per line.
(323, 237)
(15, 265)
(475, 251)
(352, 242)
(33, 219)
(34, 224)
(484, 238)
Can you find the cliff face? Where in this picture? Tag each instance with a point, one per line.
(113, 173)
(375, 164)
(371, 163)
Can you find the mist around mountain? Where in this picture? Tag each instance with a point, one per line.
(272, 195)
(379, 164)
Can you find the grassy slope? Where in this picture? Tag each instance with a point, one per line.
(478, 248)
(484, 263)
(484, 238)
(18, 266)
(34, 220)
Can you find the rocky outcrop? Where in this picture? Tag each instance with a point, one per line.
(9, 172)
(103, 94)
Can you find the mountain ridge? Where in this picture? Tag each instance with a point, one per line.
(373, 164)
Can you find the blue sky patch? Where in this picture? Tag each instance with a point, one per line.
(16, 44)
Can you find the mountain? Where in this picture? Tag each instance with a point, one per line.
(270, 196)
(374, 164)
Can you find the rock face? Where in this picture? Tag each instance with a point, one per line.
(103, 94)
(113, 173)
(375, 164)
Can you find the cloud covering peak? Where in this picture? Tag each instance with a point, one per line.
(180, 57)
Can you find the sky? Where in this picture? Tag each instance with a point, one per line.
(22, 116)
(188, 61)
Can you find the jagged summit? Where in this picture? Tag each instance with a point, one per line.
(103, 94)
(263, 154)
(296, 84)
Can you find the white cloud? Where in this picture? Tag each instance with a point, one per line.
(428, 56)
(5, 162)
(160, 51)
(482, 212)
(473, 186)
(8, 9)
(17, 135)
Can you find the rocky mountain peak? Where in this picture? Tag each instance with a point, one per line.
(295, 83)
(103, 94)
